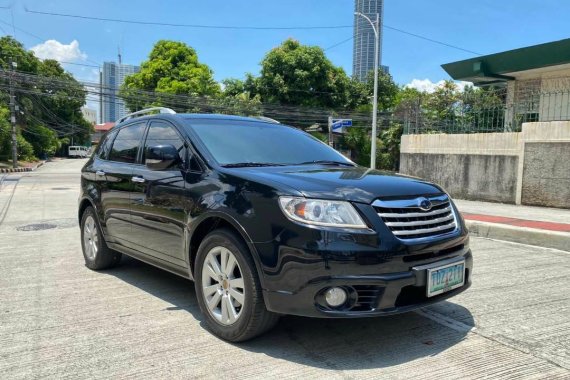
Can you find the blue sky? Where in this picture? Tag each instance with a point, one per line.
(485, 26)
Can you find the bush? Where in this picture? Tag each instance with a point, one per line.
(25, 149)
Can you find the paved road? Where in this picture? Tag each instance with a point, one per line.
(60, 320)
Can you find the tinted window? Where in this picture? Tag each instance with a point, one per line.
(236, 142)
(105, 145)
(126, 144)
(161, 133)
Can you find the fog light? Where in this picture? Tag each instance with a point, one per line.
(335, 297)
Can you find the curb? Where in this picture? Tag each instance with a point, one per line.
(22, 170)
(530, 236)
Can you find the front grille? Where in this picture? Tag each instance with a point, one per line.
(407, 220)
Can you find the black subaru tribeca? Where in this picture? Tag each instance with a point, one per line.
(267, 220)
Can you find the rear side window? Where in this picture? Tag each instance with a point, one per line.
(105, 145)
(126, 145)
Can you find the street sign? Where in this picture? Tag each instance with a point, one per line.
(338, 125)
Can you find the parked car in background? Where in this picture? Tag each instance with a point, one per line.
(267, 220)
(75, 151)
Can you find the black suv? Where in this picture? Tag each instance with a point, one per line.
(267, 220)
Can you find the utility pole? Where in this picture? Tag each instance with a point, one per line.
(13, 65)
(331, 141)
(376, 29)
(100, 96)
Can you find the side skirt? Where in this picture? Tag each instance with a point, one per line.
(177, 270)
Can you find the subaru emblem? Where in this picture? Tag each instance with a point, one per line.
(424, 204)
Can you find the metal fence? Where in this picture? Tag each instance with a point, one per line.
(496, 110)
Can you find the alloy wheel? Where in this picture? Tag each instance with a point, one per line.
(222, 285)
(90, 238)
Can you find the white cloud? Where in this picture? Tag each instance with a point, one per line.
(52, 49)
(427, 85)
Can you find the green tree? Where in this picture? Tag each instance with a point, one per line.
(441, 103)
(49, 99)
(43, 139)
(172, 68)
(300, 75)
(387, 92)
(5, 133)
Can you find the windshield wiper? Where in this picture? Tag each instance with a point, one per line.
(250, 164)
(326, 162)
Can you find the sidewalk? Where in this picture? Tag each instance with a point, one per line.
(541, 226)
(26, 168)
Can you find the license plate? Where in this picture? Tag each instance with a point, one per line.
(445, 278)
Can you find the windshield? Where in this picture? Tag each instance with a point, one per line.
(235, 143)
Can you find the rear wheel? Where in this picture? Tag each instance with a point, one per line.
(95, 251)
(228, 288)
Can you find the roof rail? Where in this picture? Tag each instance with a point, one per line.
(267, 119)
(146, 111)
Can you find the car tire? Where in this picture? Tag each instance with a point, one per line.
(251, 317)
(95, 251)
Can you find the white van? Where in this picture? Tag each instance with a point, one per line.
(78, 151)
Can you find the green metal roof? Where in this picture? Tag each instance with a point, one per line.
(491, 69)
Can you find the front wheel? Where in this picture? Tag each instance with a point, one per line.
(228, 288)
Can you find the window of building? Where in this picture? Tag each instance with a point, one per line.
(527, 100)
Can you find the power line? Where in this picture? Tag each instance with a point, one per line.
(339, 43)
(430, 39)
(24, 31)
(183, 102)
(409, 34)
(198, 26)
(63, 62)
(39, 38)
(234, 27)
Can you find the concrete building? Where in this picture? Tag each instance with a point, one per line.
(100, 130)
(364, 40)
(536, 79)
(89, 114)
(114, 74)
(525, 162)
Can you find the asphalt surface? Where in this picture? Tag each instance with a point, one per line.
(59, 319)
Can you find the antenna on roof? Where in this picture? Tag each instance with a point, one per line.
(120, 57)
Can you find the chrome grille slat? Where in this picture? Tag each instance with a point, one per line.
(419, 222)
(424, 230)
(414, 214)
(408, 221)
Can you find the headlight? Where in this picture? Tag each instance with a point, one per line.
(321, 212)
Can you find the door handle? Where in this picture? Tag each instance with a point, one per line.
(138, 179)
(100, 172)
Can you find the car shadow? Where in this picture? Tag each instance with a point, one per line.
(342, 344)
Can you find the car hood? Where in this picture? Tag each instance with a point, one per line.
(357, 184)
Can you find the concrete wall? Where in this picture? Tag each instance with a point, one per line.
(545, 171)
(546, 174)
(529, 167)
(467, 176)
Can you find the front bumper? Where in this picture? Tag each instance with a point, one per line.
(382, 294)
(383, 274)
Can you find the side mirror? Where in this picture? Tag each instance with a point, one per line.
(160, 157)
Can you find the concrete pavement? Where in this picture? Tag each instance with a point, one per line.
(59, 319)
